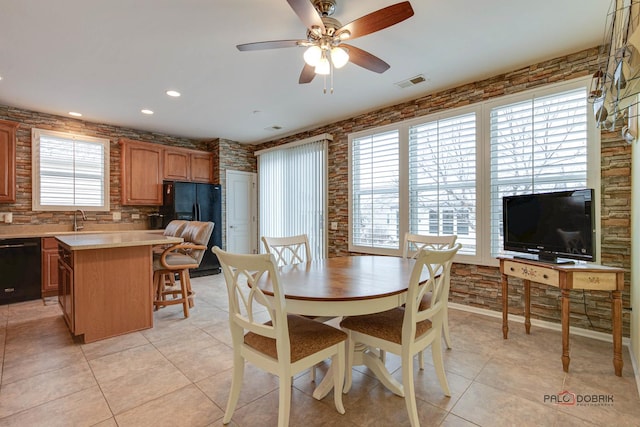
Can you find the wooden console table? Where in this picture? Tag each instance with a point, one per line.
(566, 277)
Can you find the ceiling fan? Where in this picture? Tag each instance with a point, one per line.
(326, 36)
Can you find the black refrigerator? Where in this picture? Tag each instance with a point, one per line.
(193, 201)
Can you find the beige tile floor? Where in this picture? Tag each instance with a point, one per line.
(178, 374)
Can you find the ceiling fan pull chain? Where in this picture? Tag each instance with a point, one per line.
(331, 77)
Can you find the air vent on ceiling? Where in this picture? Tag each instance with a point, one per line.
(411, 81)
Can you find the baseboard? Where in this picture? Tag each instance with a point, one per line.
(636, 373)
(541, 323)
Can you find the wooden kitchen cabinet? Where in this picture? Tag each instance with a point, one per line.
(142, 173)
(182, 164)
(177, 165)
(145, 165)
(8, 161)
(65, 292)
(49, 267)
(202, 167)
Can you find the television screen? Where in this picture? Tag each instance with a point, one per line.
(551, 225)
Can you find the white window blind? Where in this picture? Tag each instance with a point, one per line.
(537, 145)
(375, 194)
(442, 179)
(70, 171)
(292, 193)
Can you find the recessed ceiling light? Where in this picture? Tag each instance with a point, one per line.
(74, 114)
(145, 111)
(173, 93)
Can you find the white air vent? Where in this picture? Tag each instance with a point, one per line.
(411, 81)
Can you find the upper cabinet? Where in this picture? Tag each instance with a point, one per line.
(176, 165)
(141, 165)
(8, 161)
(201, 167)
(145, 166)
(181, 164)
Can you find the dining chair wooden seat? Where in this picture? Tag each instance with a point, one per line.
(286, 344)
(407, 331)
(180, 258)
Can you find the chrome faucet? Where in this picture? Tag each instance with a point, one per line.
(76, 226)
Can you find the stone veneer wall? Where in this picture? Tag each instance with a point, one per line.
(236, 157)
(22, 213)
(477, 285)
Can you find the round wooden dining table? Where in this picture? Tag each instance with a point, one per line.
(346, 286)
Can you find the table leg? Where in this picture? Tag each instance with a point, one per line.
(616, 313)
(505, 307)
(527, 306)
(565, 330)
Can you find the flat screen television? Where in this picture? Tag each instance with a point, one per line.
(551, 226)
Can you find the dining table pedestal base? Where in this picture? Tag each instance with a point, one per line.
(371, 359)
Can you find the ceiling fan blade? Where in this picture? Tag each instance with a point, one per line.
(307, 14)
(378, 20)
(366, 60)
(274, 44)
(307, 74)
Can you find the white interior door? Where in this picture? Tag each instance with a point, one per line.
(241, 212)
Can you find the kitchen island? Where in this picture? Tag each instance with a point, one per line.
(106, 282)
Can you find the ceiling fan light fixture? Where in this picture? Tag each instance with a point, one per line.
(339, 57)
(343, 35)
(312, 55)
(323, 67)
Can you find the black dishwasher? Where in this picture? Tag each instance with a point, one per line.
(20, 270)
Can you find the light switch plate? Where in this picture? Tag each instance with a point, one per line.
(117, 216)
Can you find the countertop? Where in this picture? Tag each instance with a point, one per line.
(14, 231)
(83, 241)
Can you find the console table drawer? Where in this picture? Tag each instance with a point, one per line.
(594, 280)
(547, 276)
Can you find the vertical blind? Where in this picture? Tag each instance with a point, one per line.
(375, 170)
(292, 193)
(442, 179)
(537, 145)
(71, 170)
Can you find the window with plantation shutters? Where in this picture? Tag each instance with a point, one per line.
(69, 171)
(442, 179)
(537, 145)
(446, 173)
(375, 169)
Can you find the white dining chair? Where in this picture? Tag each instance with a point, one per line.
(409, 330)
(285, 345)
(410, 249)
(412, 245)
(291, 250)
(288, 250)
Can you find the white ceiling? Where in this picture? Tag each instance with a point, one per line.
(110, 59)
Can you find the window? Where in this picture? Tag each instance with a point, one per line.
(374, 177)
(447, 173)
(69, 172)
(292, 191)
(537, 145)
(442, 178)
